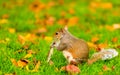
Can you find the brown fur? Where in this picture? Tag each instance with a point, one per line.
(77, 47)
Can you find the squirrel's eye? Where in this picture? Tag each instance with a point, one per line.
(56, 33)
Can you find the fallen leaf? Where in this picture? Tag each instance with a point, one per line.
(5, 16)
(114, 40)
(36, 6)
(11, 30)
(28, 55)
(72, 69)
(48, 38)
(91, 44)
(41, 30)
(113, 67)
(102, 45)
(22, 63)
(50, 20)
(31, 52)
(71, 11)
(106, 68)
(72, 21)
(62, 21)
(36, 67)
(94, 39)
(21, 39)
(14, 62)
(51, 62)
(3, 21)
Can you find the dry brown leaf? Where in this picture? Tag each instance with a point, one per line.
(94, 39)
(14, 62)
(22, 63)
(106, 68)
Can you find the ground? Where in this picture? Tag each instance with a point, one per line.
(27, 28)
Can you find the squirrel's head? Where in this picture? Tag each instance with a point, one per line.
(60, 33)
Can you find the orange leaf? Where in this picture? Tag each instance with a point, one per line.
(105, 68)
(71, 11)
(94, 39)
(71, 69)
(114, 40)
(36, 67)
(22, 63)
(72, 21)
(103, 45)
(14, 61)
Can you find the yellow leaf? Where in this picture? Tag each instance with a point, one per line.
(28, 55)
(36, 67)
(3, 21)
(48, 38)
(14, 61)
(11, 30)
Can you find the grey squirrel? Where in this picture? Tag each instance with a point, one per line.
(75, 50)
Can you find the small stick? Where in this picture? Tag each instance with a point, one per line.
(49, 54)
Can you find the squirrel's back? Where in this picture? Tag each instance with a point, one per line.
(77, 47)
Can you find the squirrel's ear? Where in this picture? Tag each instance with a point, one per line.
(65, 28)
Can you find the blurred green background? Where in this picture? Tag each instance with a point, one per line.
(28, 25)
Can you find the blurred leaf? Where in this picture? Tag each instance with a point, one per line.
(72, 69)
(94, 39)
(11, 30)
(106, 68)
(48, 38)
(4, 21)
(14, 62)
(73, 21)
(36, 67)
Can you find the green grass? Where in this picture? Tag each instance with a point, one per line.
(87, 27)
